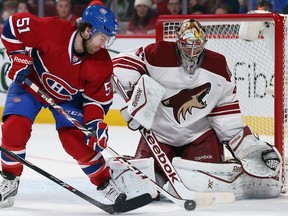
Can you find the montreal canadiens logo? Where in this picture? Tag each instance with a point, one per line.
(58, 87)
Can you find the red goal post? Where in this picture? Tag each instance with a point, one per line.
(259, 67)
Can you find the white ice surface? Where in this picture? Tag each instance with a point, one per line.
(40, 196)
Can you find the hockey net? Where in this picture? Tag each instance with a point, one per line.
(259, 68)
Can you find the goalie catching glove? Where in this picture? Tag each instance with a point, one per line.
(100, 130)
(20, 65)
(258, 158)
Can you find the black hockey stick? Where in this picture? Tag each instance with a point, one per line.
(187, 204)
(128, 205)
(107, 208)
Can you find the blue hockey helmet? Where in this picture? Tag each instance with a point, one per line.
(101, 19)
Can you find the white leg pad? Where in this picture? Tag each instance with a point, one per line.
(132, 184)
(225, 177)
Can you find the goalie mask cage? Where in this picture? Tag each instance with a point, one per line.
(258, 67)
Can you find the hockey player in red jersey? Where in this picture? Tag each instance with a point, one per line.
(71, 64)
(198, 113)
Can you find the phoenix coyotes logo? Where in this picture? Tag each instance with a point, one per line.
(186, 100)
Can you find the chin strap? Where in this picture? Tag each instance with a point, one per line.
(84, 40)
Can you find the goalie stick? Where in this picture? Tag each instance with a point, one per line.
(187, 204)
(109, 208)
(201, 199)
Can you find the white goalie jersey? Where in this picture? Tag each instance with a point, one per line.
(193, 103)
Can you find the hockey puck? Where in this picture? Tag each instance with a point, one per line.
(190, 205)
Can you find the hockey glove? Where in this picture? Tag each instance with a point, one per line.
(20, 65)
(258, 158)
(143, 103)
(131, 123)
(100, 130)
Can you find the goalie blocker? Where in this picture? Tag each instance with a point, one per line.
(256, 174)
(141, 108)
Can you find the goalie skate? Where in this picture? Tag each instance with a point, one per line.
(8, 190)
(111, 192)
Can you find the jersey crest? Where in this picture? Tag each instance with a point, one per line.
(57, 87)
(186, 100)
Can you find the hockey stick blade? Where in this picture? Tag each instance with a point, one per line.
(133, 203)
(128, 205)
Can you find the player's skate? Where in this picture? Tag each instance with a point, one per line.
(8, 189)
(111, 192)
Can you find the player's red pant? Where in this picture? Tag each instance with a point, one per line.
(16, 131)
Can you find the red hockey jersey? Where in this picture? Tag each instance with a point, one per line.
(57, 70)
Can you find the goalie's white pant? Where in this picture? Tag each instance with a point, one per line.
(197, 176)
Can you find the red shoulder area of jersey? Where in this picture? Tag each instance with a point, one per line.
(162, 54)
(216, 63)
(97, 65)
(45, 34)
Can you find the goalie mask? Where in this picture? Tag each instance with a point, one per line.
(191, 40)
(100, 19)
